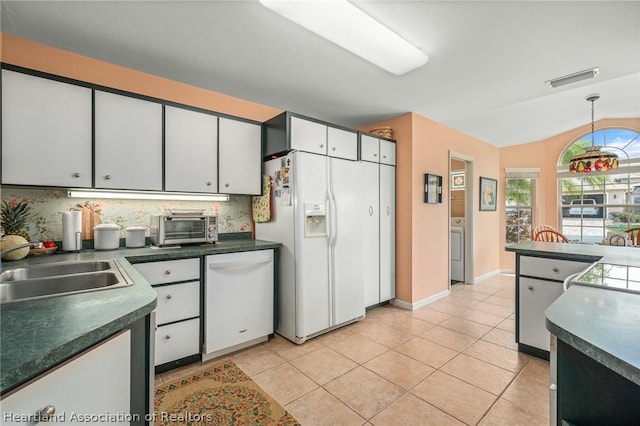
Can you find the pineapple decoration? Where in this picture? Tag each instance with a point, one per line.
(14, 218)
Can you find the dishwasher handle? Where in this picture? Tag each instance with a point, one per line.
(239, 264)
(565, 283)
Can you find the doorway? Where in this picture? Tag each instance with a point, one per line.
(461, 218)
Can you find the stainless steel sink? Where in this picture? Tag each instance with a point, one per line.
(57, 279)
(54, 269)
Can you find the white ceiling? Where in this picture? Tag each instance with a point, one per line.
(485, 76)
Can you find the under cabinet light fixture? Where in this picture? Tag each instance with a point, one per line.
(142, 195)
(344, 24)
(573, 78)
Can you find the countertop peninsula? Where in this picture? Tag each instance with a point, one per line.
(39, 334)
(602, 323)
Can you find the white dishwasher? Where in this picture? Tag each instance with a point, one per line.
(239, 297)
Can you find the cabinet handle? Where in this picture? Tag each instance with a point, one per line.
(530, 288)
(209, 184)
(227, 185)
(333, 149)
(555, 269)
(45, 414)
(242, 331)
(370, 211)
(107, 177)
(388, 210)
(76, 175)
(167, 272)
(375, 155)
(168, 337)
(169, 297)
(384, 156)
(321, 145)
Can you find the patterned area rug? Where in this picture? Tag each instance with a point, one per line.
(220, 395)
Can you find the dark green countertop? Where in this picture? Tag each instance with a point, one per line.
(602, 323)
(36, 335)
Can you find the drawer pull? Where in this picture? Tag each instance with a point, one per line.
(46, 413)
(168, 336)
(107, 177)
(530, 288)
(167, 272)
(169, 296)
(209, 183)
(242, 331)
(76, 175)
(555, 269)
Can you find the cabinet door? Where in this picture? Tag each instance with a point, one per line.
(369, 149)
(342, 144)
(46, 132)
(238, 298)
(308, 136)
(387, 152)
(191, 151)
(535, 298)
(104, 369)
(240, 162)
(387, 232)
(371, 232)
(128, 143)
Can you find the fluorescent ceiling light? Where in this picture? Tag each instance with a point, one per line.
(141, 195)
(573, 78)
(350, 28)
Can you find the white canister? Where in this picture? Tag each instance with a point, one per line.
(135, 236)
(106, 236)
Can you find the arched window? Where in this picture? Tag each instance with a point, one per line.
(595, 203)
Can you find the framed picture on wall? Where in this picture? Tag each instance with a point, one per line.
(457, 180)
(488, 194)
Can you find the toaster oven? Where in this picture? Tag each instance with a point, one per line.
(184, 228)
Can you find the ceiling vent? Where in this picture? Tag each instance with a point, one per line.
(573, 78)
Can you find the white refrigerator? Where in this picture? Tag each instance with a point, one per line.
(316, 215)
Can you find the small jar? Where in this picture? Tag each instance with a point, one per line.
(135, 236)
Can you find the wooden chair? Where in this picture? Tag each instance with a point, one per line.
(550, 235)
(634, 235)
(540, 228)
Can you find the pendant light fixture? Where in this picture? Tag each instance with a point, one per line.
(593, 160)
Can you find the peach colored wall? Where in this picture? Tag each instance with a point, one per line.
(545, 155)
(28, 54)
(422, 236)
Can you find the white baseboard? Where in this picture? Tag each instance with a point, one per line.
(507, 271)
(420, 303)
(486, 276)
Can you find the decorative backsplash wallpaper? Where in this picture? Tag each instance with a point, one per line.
(45, 222)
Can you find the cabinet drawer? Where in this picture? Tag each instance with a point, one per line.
(369, 149)
(177, 302)
(178, 340)
(552, 269)
(170, 270)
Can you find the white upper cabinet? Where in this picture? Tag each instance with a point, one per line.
(308, 136)
(46, 132)
(128, 143)
(240, 161)
(369, 149)
(387, 152)
(191, 151)
(342, 143)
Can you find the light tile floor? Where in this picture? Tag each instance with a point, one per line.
(454, 362)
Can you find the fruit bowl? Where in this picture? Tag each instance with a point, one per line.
(42, 251)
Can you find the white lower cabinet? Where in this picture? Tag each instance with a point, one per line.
(91, 388)
(178, 307)
(535, 298)
(238, 300)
